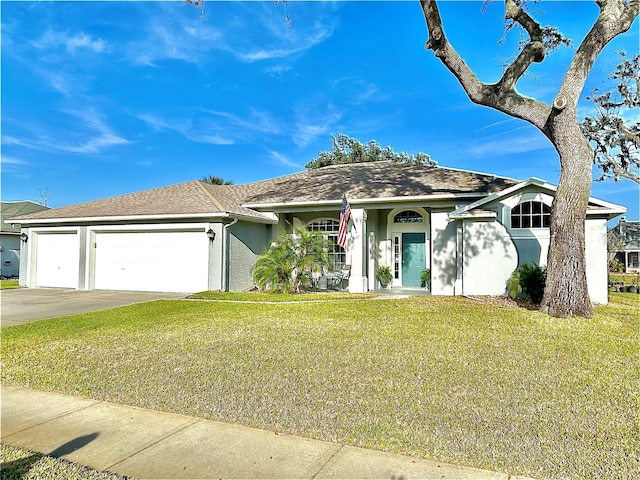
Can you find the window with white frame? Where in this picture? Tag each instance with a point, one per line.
(633, 260)
(531, 214)
(337, 255)
(407, 216)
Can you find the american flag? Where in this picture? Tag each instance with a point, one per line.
(345, 213)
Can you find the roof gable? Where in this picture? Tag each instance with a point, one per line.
(596, 206)
(627, 235)
(13, 209)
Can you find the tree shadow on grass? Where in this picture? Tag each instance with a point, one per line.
(16, 469)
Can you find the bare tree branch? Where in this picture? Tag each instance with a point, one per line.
(616, 17)
(502, 95)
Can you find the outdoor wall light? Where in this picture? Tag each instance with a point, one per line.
(24, 237)
(211, 234)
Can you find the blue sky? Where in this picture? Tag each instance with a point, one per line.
(106, 98)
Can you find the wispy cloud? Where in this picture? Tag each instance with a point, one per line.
(308, 127)
(171, 38)
(91, 135)
(294, 44)
(494, 124)
(282, 159)
(13, 161)
(181, 37)
(254, 121)
(218, 127)
(508, 145)
(278, 69)
(96, 135)
(52, 40)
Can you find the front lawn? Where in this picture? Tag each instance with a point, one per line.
(452, 379)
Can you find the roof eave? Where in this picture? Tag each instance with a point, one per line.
(127, 218)
(363, 201)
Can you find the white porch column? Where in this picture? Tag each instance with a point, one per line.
(358, 248)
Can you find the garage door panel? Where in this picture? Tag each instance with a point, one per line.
(57, 260)
(152, 261)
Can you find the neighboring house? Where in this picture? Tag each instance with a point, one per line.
(624, 244)
(471, 229)
(10, 235)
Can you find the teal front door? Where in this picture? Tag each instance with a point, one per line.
(413, 258)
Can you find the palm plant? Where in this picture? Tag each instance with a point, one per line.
(272, 270)
(289, 261)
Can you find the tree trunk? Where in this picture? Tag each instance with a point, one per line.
(566, 293)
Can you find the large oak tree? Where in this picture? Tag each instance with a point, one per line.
(566, 292)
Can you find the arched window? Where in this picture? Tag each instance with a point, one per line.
(407, 216)
(531, 215)
(337, 255)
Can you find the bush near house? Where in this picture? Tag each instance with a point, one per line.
(528, 281)
(289, 262)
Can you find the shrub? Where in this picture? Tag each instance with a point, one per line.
(425, 278)
(384, 274)
(513, 284)
(528, 280)
(615, 265)
(533, 279)
(288, 262)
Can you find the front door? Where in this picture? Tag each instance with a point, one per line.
(413, 258)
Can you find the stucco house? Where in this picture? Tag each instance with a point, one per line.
(470, 229)
(624, 244)
(10, 242)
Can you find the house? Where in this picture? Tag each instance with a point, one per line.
(10, 235)
(470, 229)
(624, 244)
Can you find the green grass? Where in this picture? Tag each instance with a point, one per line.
(6, 284)
(278, 297)
(20, 464)
(626, 278)
(451, 379)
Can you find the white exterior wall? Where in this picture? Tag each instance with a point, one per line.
(443, 254)
(10, 255)
(596, 253)
(489, 258)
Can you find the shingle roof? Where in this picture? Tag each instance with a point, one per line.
(369, 180)
(358, 181)
(190, 198)
(13, 209)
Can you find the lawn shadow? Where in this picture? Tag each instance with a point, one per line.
(17, 469)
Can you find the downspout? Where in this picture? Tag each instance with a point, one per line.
(225, 255)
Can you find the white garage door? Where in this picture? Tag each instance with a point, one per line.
(57, 260)
(151, 261)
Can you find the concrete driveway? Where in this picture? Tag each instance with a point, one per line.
(24, 305)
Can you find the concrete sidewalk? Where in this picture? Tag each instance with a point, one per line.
(147, 444)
